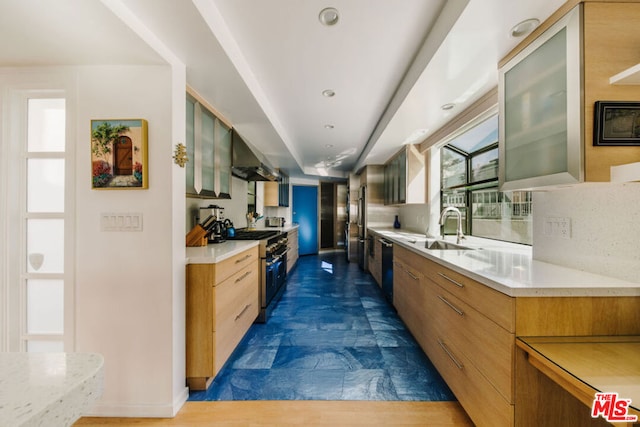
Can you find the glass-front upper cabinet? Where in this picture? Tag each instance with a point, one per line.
(208, 140)
(541, 110)
(404, 177)
(223, 160)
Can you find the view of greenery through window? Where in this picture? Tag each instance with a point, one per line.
(469, 181)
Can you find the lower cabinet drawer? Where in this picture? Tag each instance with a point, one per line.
(408, 298)
(495, 305)
(484, 404)
(489, 346)
(236, 302)
(228, 267)
(231, 296)
(226, 339)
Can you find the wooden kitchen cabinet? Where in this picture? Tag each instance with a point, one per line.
(468, 331)
(375, 257)
(277, 193)
(221, 304)
(548, 87)
(292, 248)
(452, 318)
(409, 291)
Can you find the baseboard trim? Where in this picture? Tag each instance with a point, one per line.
(140, 411)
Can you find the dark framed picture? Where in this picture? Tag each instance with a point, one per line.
(616, 123)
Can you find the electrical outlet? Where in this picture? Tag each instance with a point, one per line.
(557, 227)
(564, 228)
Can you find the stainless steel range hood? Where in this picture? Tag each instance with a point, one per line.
(248, 163)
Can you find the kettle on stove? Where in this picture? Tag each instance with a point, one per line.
(230, 229)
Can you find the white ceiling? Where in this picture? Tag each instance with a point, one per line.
(264, 63)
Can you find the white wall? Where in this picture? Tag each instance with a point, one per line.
(235, 208)
(126, 296)
(605, 229)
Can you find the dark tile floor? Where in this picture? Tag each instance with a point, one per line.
(332, 336)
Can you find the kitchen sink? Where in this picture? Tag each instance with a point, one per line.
(441, 244)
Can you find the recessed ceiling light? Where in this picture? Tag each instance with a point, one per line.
(329, 16)
(448, 106)
(328, 126)
(328, 146)
(328, 93)
(525, 27)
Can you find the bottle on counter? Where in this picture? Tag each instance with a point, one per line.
(396, 223)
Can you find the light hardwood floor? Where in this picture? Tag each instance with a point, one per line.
(302, 413)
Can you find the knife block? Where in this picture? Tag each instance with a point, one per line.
(197, 236)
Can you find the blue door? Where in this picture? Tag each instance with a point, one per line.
(305, 213)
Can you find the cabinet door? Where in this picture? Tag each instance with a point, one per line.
(541, 136)
(401, 173)
(271, 193)
(223, 160)
(208, 140)
(283, 191)
(200, 151)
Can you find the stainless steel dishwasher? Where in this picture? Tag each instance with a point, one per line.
(387, 269)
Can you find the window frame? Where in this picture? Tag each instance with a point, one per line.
(469, 187)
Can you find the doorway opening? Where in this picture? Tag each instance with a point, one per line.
(333, 215)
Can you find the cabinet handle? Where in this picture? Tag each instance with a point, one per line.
(451, 356)
(453, 307)
(460, 285)
(386, 243)
(414, 277)
(246, 307)
(241, 278)
(238, 261)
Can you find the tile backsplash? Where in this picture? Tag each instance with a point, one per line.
(603, 235)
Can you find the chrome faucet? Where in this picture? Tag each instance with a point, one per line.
(443, 215)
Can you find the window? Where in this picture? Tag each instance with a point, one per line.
(39, 284)
(469, 181)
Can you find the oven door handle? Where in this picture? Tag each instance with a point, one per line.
(274, 260)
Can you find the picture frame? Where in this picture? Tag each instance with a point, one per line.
(616, 123)
(119, 157)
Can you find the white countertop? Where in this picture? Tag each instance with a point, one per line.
(48, 389)
(510, 268)
(216, 252)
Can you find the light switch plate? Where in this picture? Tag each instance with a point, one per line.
(121, 221)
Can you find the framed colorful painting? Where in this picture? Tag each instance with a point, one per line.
(119, 154)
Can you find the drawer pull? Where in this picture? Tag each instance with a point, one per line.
(451, 280)
(239, 260)
(246, 307)
(451, 306)
(241, 278)
(414, 277)
(453, 359)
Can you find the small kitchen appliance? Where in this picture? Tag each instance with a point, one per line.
(218, 229)
(275, 221)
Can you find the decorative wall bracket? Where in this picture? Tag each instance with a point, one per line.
(180, 155)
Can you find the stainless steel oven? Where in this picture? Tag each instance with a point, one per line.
(274, 279)
(273, 266)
